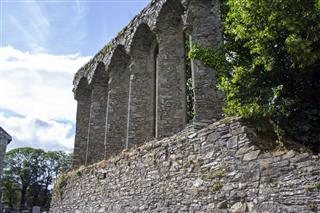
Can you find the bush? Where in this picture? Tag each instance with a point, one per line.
(269, 64)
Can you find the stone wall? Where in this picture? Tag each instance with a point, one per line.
(217, 168)
(133, 90)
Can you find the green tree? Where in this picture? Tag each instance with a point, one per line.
(30, 172)
(269, 64)
(25, 168)
(10, 190)
(56, 162)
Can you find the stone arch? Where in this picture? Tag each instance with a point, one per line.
(142, 90)
(83, 97)
(171, 70)
(97, 124)
(117, 107)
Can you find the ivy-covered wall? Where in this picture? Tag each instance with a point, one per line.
(217, 168)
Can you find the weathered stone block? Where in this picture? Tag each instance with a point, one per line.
(251, 155)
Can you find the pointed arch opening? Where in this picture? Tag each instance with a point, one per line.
(142, 90)
(171, 69)
(117, 105)
(97, 124)
(83, 97)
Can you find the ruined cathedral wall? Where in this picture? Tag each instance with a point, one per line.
(91, 90)
(215, 169)
(115, 90)
(134, 89)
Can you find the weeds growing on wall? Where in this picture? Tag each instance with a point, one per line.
(269, 65)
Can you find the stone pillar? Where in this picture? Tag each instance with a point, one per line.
(203, 22)
(83, 97)
(97, 123)
(171, 79)
(142, 101)
(141, 121)
(117, 109)
(5, 139)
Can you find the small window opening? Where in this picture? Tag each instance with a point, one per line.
(189, 80)
(155, 71)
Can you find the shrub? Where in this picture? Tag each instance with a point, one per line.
(269, 64)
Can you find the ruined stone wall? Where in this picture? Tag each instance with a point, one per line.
(214, 169)
(133, 90)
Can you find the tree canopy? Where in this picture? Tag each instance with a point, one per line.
(28, 176)
(269, 64)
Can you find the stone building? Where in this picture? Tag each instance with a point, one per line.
(5, 139)
(134, 89)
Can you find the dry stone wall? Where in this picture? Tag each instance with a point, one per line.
(217, 168)
(136, 85)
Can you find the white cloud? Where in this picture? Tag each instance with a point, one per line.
(38, 85)
(36, 93)
(31, 132)
(13, 59)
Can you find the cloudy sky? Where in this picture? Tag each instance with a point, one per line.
(43, 43)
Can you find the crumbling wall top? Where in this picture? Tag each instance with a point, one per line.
(149, 15)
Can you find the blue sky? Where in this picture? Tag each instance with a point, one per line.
(43, 43)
